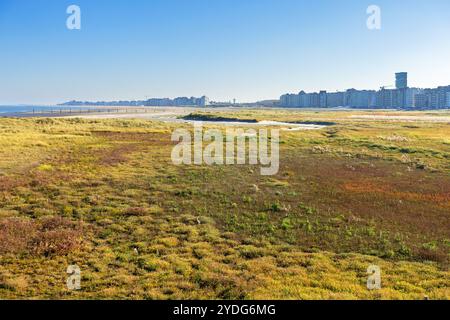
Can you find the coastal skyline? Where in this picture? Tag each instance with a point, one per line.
(244, 50)
(400, 96)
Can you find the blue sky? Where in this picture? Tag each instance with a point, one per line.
(244, 49)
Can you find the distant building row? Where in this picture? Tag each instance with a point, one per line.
(155, 102)
(181, 101)
(402, 97)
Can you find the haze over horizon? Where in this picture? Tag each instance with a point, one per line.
(247, 50)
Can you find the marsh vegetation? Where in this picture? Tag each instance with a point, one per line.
(104, 195)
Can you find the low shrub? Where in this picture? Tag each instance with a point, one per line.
(48, 236)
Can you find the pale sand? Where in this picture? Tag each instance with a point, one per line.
(403, 118)
(154, 113)
(171, 114)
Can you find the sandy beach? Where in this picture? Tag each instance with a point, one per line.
(172, 114)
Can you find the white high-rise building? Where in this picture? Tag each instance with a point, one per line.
(203, 101)
(410, 97)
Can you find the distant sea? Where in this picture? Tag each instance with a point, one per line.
(14, 110)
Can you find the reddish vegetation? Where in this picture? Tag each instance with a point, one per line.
(410, 208)
(15, 235)
(152, 138)
(50, 236)
(374, 189)
(415, 204)
(128, 142)
(388, 190)
(117, 155)
(9, 183)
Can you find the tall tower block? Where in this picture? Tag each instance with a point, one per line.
(401, 80)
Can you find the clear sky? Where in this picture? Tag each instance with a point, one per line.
(244, 49)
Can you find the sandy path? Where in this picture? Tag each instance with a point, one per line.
(402, 118)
